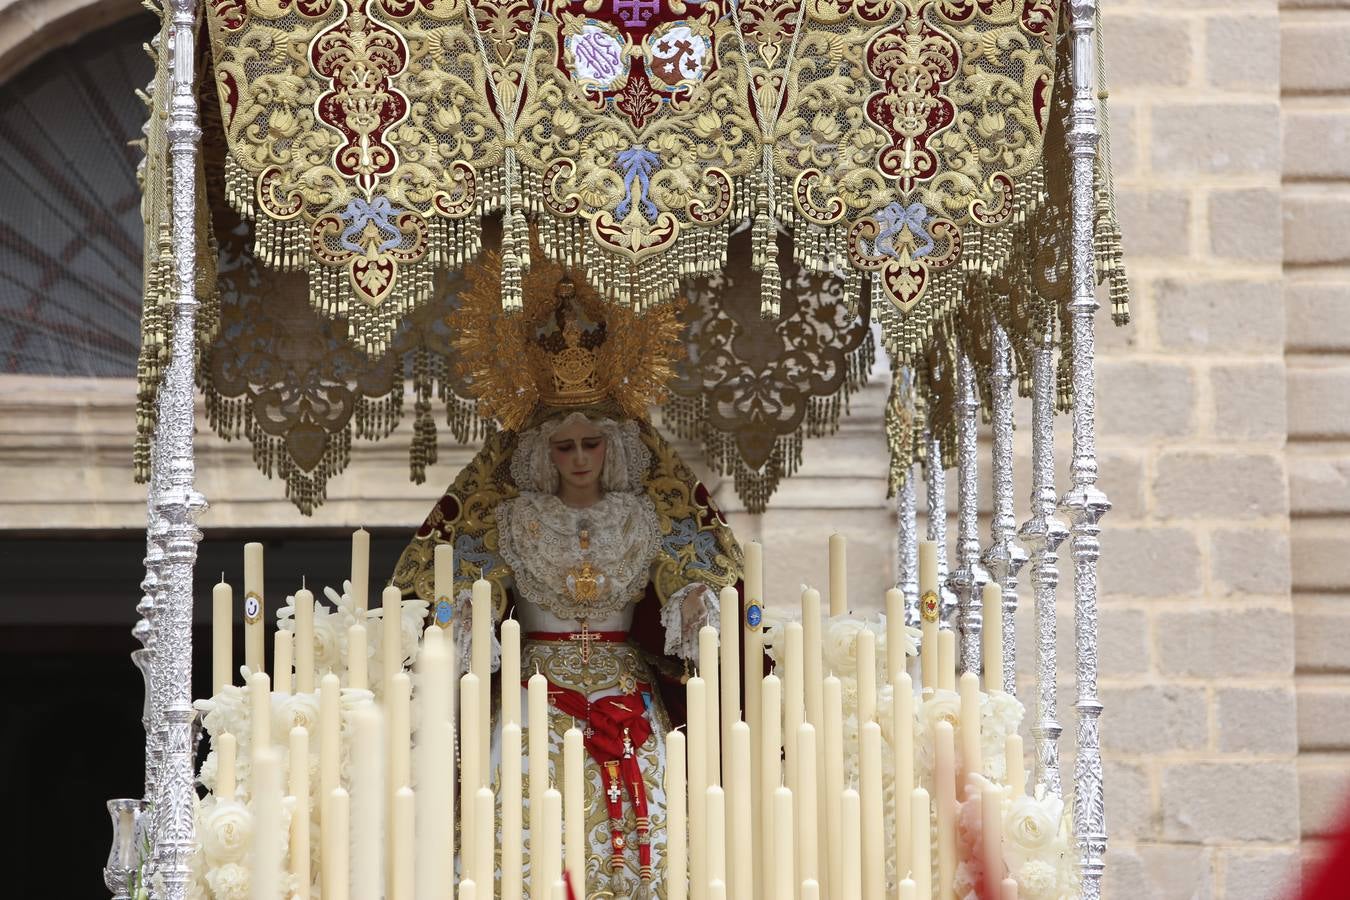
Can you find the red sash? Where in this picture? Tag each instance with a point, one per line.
(614, 726)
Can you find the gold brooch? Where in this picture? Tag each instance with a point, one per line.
(928, 606)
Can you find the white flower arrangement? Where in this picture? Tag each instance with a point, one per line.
(224, 824)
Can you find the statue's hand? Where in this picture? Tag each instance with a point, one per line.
(696, 608)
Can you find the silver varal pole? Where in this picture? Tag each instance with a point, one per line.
(1041, 535)
(935, 486)
(907, 550)
(1005, 556)
(1084, 503)
(967, 581)
(175, 501)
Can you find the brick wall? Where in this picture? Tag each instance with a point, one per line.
(1315, 102)
(1198, 664)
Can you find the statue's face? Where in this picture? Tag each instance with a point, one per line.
(578, 452)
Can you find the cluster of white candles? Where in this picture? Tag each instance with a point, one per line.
(755, 800)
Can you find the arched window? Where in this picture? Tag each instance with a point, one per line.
(70, 219)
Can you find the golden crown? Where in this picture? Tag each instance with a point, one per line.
(568, 347)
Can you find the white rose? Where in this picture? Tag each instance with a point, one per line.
(228, 882)
(226, 827)
(1030, 825)
(290, 710)
(838, 644)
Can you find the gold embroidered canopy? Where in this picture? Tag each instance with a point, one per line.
(911, 153)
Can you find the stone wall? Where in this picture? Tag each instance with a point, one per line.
(1315, 103)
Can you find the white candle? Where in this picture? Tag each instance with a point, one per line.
(1017, 778)
(739, 798)
(304, 641)
(434, 875)
(808, 825)
(265, 850)
(260, 709)
(867, 676)
(336, 844)
(838, 575)
(551, 861)
(1009, 890)
(481, 656)
(367, 801)
(794, 701)
(330, 743)
(512, 854)
(834, 783)
(282, 653)
(356, 657)
(574, 811)
(538, 737)
(697, 750)
(873, 820)
(908, 889)
(784, 862)
(467, 890)
(810, 889)
(945, 784)
(443, 573)
(812, 672)
(895, 634)
(752, 675)
(992, 638)
(398, 740)
(946, 643)
(991, 814)
(717, 889)
(255, 608)
(707, 667)
(928, 616)
(511, 671)
(222, 637)
(226, 748)
(970, 731)
(729, 648)
(716, 837)
(770, 768)
(677, 884)
(299, 774)
(402, 828)
(361, 570)
(850, 843)
(902, 731)
(391, 633)
(921, 852)
(485, 841)
(469, 777)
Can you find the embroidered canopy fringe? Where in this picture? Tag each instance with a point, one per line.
(639, 173)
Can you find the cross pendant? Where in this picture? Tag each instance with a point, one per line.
(585, 639)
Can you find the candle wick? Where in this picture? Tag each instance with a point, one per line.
(222, 576)
(302, 582)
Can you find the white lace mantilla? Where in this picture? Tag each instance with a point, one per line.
(540, 537)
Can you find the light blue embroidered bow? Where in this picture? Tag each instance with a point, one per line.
(378, 211)
(893, 218)
(637, 163)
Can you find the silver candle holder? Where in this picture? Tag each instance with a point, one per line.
(124, 858)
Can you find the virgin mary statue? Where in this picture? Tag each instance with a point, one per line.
(594, 535)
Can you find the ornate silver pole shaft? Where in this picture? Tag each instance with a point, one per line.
(936, 495)
(970, 577)
(1084, 503)
(1042, 535)
(1005, 555)
(176, 502)
(907, 549)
